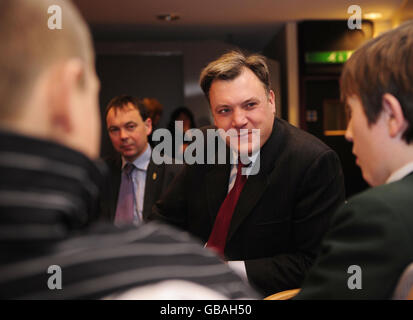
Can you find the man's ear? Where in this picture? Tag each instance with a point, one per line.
(271, 99)
(66, 81)
(148, 125)
(396, 122)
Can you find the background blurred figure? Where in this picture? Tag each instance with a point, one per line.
(155, 110)
(184, 115)
(136, 182)
(49, 185)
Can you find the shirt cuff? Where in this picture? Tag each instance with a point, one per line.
(239, 268)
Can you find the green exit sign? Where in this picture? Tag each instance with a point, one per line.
(327, 56)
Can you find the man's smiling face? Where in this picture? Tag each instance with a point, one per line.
(243, 103)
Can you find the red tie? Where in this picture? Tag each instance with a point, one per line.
(218, 236)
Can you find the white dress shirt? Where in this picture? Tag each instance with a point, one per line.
(401, 173)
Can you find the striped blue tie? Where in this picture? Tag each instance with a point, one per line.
(125, 206)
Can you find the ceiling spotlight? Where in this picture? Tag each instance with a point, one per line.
(373, 15)
(168, 17)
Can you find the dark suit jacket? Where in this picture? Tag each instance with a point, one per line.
(374, 231)
(283, 211)
(158, 178)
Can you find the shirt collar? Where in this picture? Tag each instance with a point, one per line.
(141, 162)
(400, 173)
(253, 158)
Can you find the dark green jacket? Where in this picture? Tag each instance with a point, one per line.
(374, 231)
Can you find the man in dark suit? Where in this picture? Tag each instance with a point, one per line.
(129, 125)
(370, 241)
(268, 225)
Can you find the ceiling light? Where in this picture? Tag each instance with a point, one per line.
(373, 15)
(168, 17)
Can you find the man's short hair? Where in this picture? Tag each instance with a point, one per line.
(383, 65)
(230, 65)
(123, 101)
(28, 46)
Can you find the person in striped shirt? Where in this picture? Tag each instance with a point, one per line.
(50, 246)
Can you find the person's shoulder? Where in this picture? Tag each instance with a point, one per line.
(300, 148)
(395, 196)
(112, 161)
(384, 207)
(151, 252)
(169, 164)
(300, 139)
(104, 234)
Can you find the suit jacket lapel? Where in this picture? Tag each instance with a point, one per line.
(257, 184)
(115, 171)
(153, 184)
(216, 179)
(216, 188)
(251, 193)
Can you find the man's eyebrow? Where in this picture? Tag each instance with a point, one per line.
(222, 106)
(252, 99)
(130, 122)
